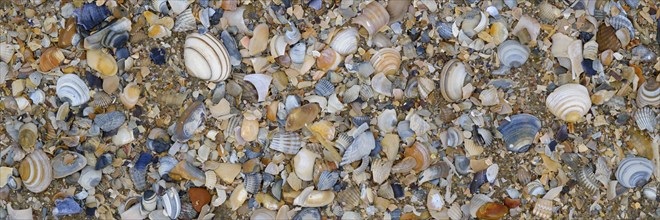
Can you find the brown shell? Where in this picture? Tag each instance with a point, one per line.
(606, 39)
(102, 99)
(421, 154)
(50, 58)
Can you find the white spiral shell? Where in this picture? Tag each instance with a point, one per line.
(36, 171)
(72, 89)
(345, 41)
(206, 57)
(569, 102)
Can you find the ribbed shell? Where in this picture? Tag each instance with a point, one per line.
(206, 57)
(185, 21)
(452, 80)
(324, 88)
(327, 180)
(513, 54)
(646, 119)
(287, 142)
(343, 141)
(381, 169)
(345, 41)
(476, 202)
(621, 21)
(569, 102)
(349, 197)
(253, 182)
(588, 180)
(72, 89)
(455, 212)
(36, 171)
(648, 94)
(548, 12)
(519, 132)
(543, 208)
(373, 17)
(606, 39)
(634, 172)
(361, 146)
(386, 60)
(6, 52)
(366, 92)
(102, 99)
(472, 148)
(590, 50)
(535, 188)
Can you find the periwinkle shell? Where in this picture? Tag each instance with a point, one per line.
(519, 132)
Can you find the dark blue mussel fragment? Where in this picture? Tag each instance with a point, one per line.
(158, 56)
(90, 15)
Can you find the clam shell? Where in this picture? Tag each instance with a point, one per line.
(523, 176)
(102, 99)
(476, 202)
(489, 97)
(261, 82)
(519, 132)
(130, 96)
(110, 121)
(513, 54)
(287, 142)
(328, 60)
(543, 208)
(606, 39)
(185, 22)
(621, 21)
(462, 164)
(67, 163)
(102, 62)
(253, 182)
(387, 120)
(206, 58)
(171, 203)
(160, 6)
(124, 136)
(191, 119)
(569, 102)
(70, 88)
(650, 192)
(307, 214)
(452, 80)
(535, 188)
(397, 9)
(472, 149)
(360, 147)
(50, 58)
(6, 52)
(484, 137)
(648, 94)
(444, 30)
(454, 212)
(263, 214)
(387, 61)
(452, 137)
(303, 164)
(421, 154)
(349, 197)
(548, 12)
(590, 50)
(373, 17)
(27, 136)
(440, 170)
(297, 53)
(277, 46)
(114, 35)
(345, 41)
(38, 96)
(646, 119)
(634, 172)
(587, 179)
(381, 169)
(434, 200)
(89, 178)
(327, 180)
(324, 88)
(36, 171)
(313, 198)
(381, 84)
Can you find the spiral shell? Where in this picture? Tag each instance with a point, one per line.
(345, 41)
(70, 88)
(206, 58)
(590, 50)
(519, 132)
(634, 172)
(386, 60)
(513, 54)
(185, 21)
(36, 171)
(548, 12)
(543, 208)
(381, 169)
(569, 102)
(648, 94)
(50, 58)
(373, 17)
(587, 178)
(452, 79)
(287, 142)
(646, 119)
(27, 136)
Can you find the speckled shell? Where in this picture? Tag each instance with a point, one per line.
(519, 132)
(185, 21)
(381, 169)
(386, 60)
(206, 58)
(373, 17)
(36, 172)
(587, 179)
(543, 208)
(72, 89)
(287, 142)
(646, 119)
(452, 80)
(345, 41)
(634, 172)
(513, 54)
(648, 94)
(569, 102)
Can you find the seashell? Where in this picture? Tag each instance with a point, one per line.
(590, 50)
(644, 53)
(444, 30)
(191, 119)
(324, 88)
(313, 198)
(160, 6)
(185, 22)
(634, 172)
(102, 99)
(328, 60)
(489, 97)
(178, 6)
(623, 36)
(569, 102)
(231, 47)
(66, 206)
(114, 35)
(130, 96)
(18, 214)
(462, 164)
(110, 121)
(543, 208)
(387, 120)
(387, 61)
(297, 53)
(476, 202)
(472, 149)
(421, 154)
(27, 136)
(301, 116)
(171, 203)
(434, 200)
(548, 12)
(373, 17)
(535, 188)
(587, 178)
(38, 96)
(6, 52)
(484, 137)
(380, 170)
(36, 171)
(359, 148)
(149, 200)
(70, 88)
(474, 22)
(606, 39)
(381, 84)
(307, 214)
(343, 141)
(90, 15)
(349, 197)
(523, 176)
(648, 94)
(259, 41)
(441, 170)
(292, 34)
(519, 132)
(621, 21)
(303, 164)
(452, 137)
(261, 82)
(235, 18)
(252, 182)
(454, 212)
(397, 9)
(102, 62)
(67, 163)
(124, 136)
(50, 58)
(527, 29)
(650, 192)
(345, 41)
(287, 142)
(327, 180)
(646, 119)
(452, 79)
(277, 46)
(512, 54)
(89, 178)
(263, 214)
(206, 58)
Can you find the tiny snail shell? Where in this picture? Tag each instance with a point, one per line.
(519, 132)
(36, 172)
(513, 54)
(102, 62)
(452, 79)
(130, 95)
(70, 88)
(27, 136)
(191, 119)
(287, 142)
(314, 198)
(386, 60)
(206, 58)
(569, 102)
(648, 94)
(361, 146)
(373, 17)
(634, 172)
(646, 119)
(50, 58)
(345, 41)
(185, 22)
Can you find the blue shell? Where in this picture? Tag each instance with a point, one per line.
(327, 180)
(324, 88)
(396, 214)
(462, 164)
(90, 15)
(621, 21)
(444, 30)
(308, 213)
(478, 180)
(359, 120)
(519, 133)
(657, 36)
(143, 161)
(110, 121)
(66, 206)
(158, 56)
(103, 161)
(232, 49)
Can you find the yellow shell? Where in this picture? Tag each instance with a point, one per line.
(129, 97)
(102, 62)
(50, 58)
(421, 154)
(36, 171)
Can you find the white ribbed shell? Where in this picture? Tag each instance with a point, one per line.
(345, 41)
(71, 88)
(569, 99)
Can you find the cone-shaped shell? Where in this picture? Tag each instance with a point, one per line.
(36, 171)
(634, 172)
(373, 17)
(569, 102)
(206, 57)
(519, 132)
(72, 89)
(452, 80)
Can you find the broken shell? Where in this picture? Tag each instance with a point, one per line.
(171, 203)
(359, 148)
(380, 170)
(124, 136)
(102, 62)
(434, 200)
(303, 164)
(90, 15)
(261, 82)
(206, 58)
(67, 163)
(489, 97)
(646, 119)
(387, 120)
(27, 136)
(474, 22)
(343, 141)
(252, 182)
(89, 178)
(623, 36)
(373, 17)
(523, 176)
(277, 46)
(345, 41)
(606, 39)
(130, 96)
(70, 88)
(535, 188)
(6, 52)
(287, 142)
(292, 34)
(235, 18)
(440, 170)
(512, 54)
(634, 172)
(527, 29)
(421, 154)
(328, 60)
(263, 214)
(313, 198)
(452, 137)
(301, 116)
(569, 102)
(297, 53)
(381, 84)
(492, 210)
(387, 61)
(519, 132)
(587, 178)
(327, 180)
(548, 12)
(114, 35)
(50, 58)
(259, 41)
(650, 192)
(543, 208)
(307, 214)
(452, 79)
(499, 32)
(36, 172)
(178, 6)
(148, 200)
(476, 202)
(621, 21)
(590, 50)
(185, 22)
(454, 212)
(397, 9)
(191, 119)
(19, 214)
(462, 164)
(648, 93)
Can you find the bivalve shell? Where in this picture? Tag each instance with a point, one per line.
(648, 94)
(345, 41)
(512, 54)
(621, 21)
(191, 119)
(543, 208)
(386, 60)
(67, 163)
(28, 134)
(397, 9)
(646, 119)
(587, 178)
(360, 147)
(185, 22)
(6, 52)
(206, 58)
(287, 142)
(535, 188)
(50, 58)
(452, 79)
(548, 12)
(36, 171)
(313, 198)
(380, 170)
(102, 62)
(590, 50)
(130, 96)
(261, 82)
(569, 102)
(171, 203)
(373, 17)
(70, 88)
(519, 132)
(421, 154)
(303, 164)
(634, 172)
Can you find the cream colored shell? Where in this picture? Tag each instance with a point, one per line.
(569, 102)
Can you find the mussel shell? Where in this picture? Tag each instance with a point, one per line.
(70, 88)
(67, 163)
(90, 15)
(634, 172)
(191, 119)
(36, 171)
(519, 132)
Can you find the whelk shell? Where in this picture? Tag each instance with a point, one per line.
(648, 94)
(519, 132)
(27, 136)
(634, 172)
(70, 88)
(313, 198)
(387, 61)
(373, 17)
(102, 62)
(206, 58)
(191, 119)
(36, 171)
(67, 163)
(569, 102)
(452, 80)
(646, 119)
(50, 58)
(345, 41)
